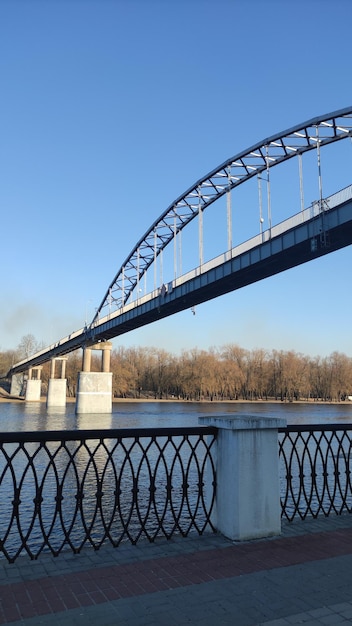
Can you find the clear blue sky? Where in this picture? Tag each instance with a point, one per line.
(111, 109)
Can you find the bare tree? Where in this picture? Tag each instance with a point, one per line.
(7, 359)
(28, 346)
(235, 358)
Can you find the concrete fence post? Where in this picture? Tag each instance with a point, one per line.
(247, 502)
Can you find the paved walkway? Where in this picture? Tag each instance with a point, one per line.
(302, 577)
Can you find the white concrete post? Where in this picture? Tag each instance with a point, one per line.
(247, 503)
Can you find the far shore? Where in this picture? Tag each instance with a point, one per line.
(4, 399)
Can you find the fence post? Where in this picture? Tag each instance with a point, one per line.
(247, 498)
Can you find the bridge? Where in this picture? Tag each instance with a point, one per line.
(323, 227)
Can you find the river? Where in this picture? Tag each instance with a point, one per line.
(34, 416)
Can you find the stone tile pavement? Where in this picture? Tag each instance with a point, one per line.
(302, 577)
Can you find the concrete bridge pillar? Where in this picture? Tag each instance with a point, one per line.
(17, 384)
(247, 501)
(94, 389)
(87, 359)
(34, 384)
(57, 387)
(105, 359)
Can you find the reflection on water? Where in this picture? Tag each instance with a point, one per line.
(32, 416)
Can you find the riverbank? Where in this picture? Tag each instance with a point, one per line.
(7, 397)
(4, 398)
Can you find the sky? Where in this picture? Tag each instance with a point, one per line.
(111, 109)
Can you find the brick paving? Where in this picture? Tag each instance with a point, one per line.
(303, 576)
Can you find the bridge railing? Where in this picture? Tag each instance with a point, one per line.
(295, 220)
(69, 490)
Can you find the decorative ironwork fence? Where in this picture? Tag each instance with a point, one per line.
(315, 470)
(62, 490)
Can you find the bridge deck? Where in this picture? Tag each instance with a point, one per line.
(303, 237)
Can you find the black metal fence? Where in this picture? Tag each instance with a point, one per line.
(315, 470)
(67, 490)
(62, 490)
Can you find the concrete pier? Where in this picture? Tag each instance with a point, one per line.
(34, 384)
(17, 384)
(57, 387)
(94, 389)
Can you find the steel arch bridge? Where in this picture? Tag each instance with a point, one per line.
(244, 166)
(261, 157)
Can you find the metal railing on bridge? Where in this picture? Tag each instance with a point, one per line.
(313, 211)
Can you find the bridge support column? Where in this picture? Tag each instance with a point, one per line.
(17, 384)
(57, 386)
(94, 389)
(34, 384)
(247, 504)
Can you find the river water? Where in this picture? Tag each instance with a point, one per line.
(34, 416)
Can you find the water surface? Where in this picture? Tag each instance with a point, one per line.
(35, 416)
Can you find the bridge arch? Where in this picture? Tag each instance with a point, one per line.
(272, 151)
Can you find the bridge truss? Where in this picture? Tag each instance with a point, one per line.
(294, 142)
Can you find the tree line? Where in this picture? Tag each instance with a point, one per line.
(226, 373)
